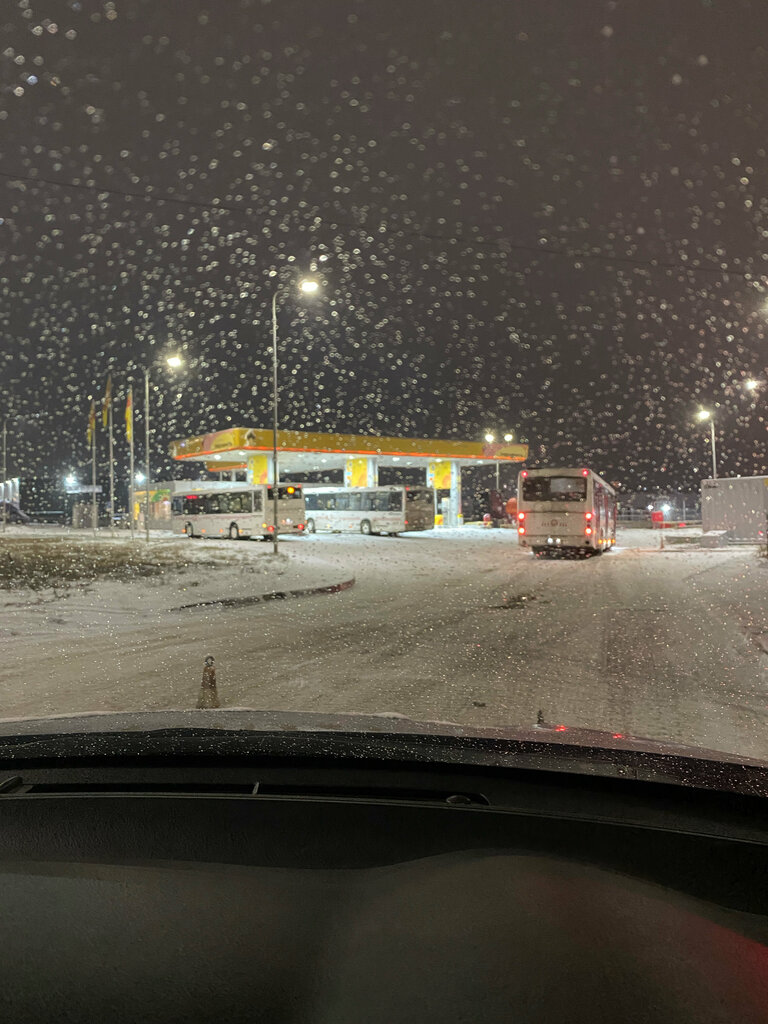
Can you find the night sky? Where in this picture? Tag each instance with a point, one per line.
(549, 217)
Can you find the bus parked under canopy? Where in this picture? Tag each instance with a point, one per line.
(390, 510)
(240, 512)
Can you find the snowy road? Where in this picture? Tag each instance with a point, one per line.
(458, 626)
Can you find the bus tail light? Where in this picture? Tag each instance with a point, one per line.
(585, 472)
(521, 516)
(271, 529)
(588, 516)
(301, 526)
(588, 531)
(521, 530)
(524, 474)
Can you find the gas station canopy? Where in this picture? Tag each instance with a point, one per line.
(302, 452)
(360, 456)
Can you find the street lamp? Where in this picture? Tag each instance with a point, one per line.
(490, 438)
(751, 384)
(173, 362)
(705, 414)
(5, 472)
(309, 287)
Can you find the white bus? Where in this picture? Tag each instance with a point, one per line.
(565, 510)
(239, 512)
(389, 510)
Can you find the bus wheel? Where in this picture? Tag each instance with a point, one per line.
(189, 531)
(234, 533)
(310, 527)
(365, 527)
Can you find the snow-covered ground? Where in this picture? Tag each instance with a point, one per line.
(456, 625)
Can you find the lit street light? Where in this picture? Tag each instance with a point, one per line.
(490, 438)
(308, 287)
(751, 384)
(174, 362)
(705, 414)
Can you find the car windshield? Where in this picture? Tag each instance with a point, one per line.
(354, 248)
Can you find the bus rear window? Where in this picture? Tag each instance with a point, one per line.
(555, 488)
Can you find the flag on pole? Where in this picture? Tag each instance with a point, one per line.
(91, 422)
(107, 401)
(129, 415)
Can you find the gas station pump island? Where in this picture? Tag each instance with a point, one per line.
(360, 456)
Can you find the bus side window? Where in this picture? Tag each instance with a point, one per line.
(380, 501)
(211, 504)
(177, 506)
(366, 501)
(355, 502)
(311, 502)
(394, 501)
(342, 502)
(240, 501)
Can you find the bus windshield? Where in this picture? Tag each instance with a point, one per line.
(555, 488)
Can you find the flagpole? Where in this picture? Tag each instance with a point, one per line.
(5, 472)
(146, 448)
(111, 478)
(94, 518)
(131, 497)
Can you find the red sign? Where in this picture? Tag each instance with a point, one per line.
(657, 517)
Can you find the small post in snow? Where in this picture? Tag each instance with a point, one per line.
(209, 697)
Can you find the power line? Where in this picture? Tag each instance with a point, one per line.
(501, 244)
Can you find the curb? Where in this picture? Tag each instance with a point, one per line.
(274, 595)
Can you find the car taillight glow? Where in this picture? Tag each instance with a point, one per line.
(521, 530)
(588, 516)
(588, 531)
(524, 474)
(585, 472)
(301, 526)
(521, 516)
(271, 529)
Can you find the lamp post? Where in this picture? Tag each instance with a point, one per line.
(490, 438)
(5, 472)
(308, 287)
(174, 362)
(705, 414)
